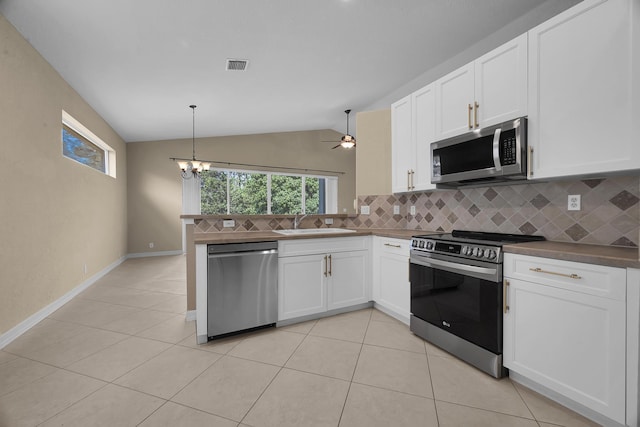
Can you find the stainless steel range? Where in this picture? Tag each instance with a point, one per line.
(456, 294)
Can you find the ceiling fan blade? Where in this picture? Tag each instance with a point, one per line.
(336, 146)
(330, 141)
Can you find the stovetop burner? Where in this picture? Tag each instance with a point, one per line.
(469, 244)
(482, 236)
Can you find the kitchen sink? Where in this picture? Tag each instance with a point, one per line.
(307, 231)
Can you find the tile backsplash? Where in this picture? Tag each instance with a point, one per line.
(609, 215)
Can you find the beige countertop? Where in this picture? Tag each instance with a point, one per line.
(592, 254)
(259, 236)
(611, 256)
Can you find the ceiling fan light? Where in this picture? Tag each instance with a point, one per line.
(347, 144)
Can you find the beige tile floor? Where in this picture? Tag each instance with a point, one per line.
(121, 354)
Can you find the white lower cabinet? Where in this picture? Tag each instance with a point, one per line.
(301, 286)
(317, 275)
(391, 290)
(564, 328)
(347, 279)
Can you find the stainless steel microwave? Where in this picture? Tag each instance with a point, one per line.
(484, 157)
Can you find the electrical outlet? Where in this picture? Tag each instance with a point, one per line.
(412, 210)
(364, 210)
(328, 221)
(396, 210)
(151, 245)
(228, 223)
(573, 202)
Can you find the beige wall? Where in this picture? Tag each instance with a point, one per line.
(373, 159)
(55, 214)
(155, 185)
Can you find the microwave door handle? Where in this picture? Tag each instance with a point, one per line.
(496, 150)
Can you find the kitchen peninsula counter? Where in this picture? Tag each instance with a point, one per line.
(258, 236)
(611, 256)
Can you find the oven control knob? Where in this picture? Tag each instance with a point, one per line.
(414, 243)
(430, 245)
(491, 254)
(466, 250)
(478, 252)
(421, 244)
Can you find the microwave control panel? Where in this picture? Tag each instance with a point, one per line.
(508, 152)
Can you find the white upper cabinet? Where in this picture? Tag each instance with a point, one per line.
(424, 128)
(584, 90)
(501, 83)
(455, 103)
(412, 132)
(485, 92)
(401, 143)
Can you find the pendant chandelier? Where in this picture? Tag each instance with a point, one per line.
(192, 168)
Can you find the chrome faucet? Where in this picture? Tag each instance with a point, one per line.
(296, 221)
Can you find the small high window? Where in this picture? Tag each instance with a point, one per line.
(81, 145)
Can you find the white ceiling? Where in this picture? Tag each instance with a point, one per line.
(140, 63)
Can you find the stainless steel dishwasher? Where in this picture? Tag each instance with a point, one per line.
(242, 287)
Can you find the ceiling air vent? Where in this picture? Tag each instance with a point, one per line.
(237, 64)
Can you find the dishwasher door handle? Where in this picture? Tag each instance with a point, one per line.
(237, 254)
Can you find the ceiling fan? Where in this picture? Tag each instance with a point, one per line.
(347, 141)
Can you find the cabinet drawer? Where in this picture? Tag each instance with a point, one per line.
(393, 246)
(321, 245)
(598, 280)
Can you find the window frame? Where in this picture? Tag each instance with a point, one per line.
(84, 132)
(330, 192)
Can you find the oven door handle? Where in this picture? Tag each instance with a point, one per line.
(455, 267)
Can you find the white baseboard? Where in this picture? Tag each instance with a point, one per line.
(148, 254)
(31, 321)
(393, 313)
(563, 400)
(191, 316)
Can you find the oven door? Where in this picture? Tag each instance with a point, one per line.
(462, 297)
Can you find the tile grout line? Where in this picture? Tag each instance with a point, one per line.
(344, 405)
(272, 379)
(77, 401)
(433, 390)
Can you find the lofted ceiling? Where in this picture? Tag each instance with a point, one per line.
(141, 63)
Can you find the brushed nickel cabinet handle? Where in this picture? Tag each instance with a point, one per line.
(412, 183)
(325, 266)
(408, 179)
(570, 276)
(393, 246)
(330, 266)
(469, 116)
(475, 114)
(530, 161)
(505, 287)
